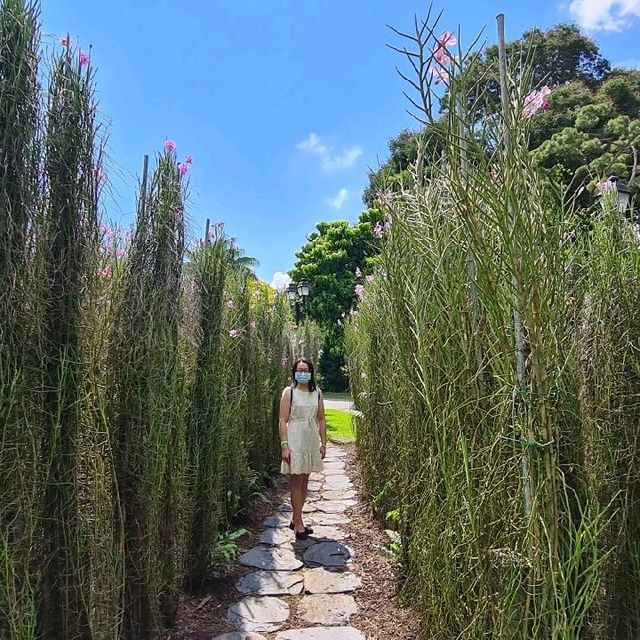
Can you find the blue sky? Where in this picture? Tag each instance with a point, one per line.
(284, 105)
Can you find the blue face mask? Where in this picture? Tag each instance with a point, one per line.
(303, 377)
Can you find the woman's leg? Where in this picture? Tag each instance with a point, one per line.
(297, 499)
(305, 485)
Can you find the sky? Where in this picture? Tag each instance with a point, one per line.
(285, 105)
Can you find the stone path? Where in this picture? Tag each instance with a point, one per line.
(341, 405)
(318, 568)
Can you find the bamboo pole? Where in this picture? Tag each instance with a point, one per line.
(518, 330)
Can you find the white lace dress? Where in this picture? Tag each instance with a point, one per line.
(303, 435)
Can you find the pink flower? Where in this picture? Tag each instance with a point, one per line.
(369, 279)
(378, 230)
(189, 159)
(447, 39)
(84, 58)
(442, 56)
(170, 146)
(234, 333)
(535, 101)
(64, 41)
(257, 293)
(358, 272)
(359, 289)
(120, 253)
(211, 235)
(231, 304)
(605, 187)
(441, 74)
(387, 223)
(183, 168)
(105, 272)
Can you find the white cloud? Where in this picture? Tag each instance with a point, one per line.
(339, 200)
(605, 15)
(280, 281)
(313, 145)
(344, 160)
(329, 161)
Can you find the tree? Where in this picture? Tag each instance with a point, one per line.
(329, 261)
(403, 152)
(590, 131)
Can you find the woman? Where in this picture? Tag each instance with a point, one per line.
(302, 437)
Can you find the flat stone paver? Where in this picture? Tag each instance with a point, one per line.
(259, 614)
(332, 554)
(328, 531)
(275, 536)
(279, 520)
(322, 581)
(321, 633)
(329, 519)
(271, 583)
(327, 609)
(240, 635)
(337, 482)
(339, 494)
(334, 506)
(270, 559)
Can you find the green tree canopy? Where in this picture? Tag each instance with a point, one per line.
(590, 130)
(329, 261)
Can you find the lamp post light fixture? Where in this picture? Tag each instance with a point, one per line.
(297, 294)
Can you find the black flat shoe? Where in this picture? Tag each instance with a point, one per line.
(293, 526)
(301, 535)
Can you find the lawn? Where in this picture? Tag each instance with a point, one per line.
(340, 426)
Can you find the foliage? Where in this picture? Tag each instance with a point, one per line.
(225, 551)
(340, 427)
(496, 425)
(591, 128)
(329, 261)
(138, 391)
(589, 133)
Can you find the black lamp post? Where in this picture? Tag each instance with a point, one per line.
(297, 294)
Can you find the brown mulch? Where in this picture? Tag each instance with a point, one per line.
(202, 617)
(379, 616)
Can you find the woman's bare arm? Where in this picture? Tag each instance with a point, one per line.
(285, 409)
(322, 423)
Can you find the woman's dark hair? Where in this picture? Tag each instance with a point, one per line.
(312, 382)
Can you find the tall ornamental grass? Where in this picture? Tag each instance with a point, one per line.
(495, 361)
(20, 489)
(145, 408)
(67, 255)
(139, 381)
